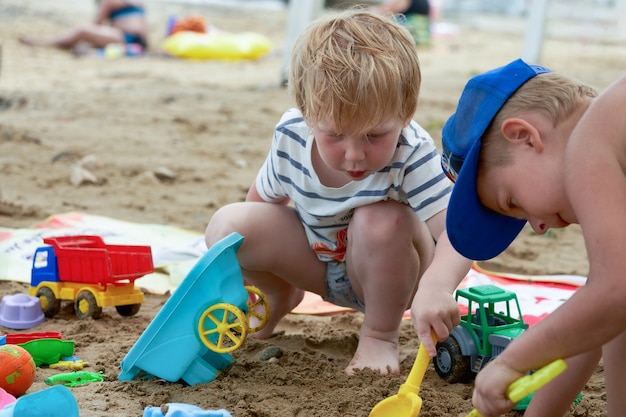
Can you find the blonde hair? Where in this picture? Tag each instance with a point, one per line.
(356, 66)
(555, 95)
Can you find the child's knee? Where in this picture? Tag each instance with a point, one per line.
(384, 221)
(221, 224)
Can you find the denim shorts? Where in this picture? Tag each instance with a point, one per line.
(338, 288)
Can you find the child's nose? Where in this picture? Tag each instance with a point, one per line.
(354, 151)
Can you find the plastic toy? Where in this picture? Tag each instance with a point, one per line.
(183, 410)
(92, 274)
(73, 379)
(20, 311)
(51, 402)
(17, 369)
(482, 333)
(17, 338)
(407, 402)
(48, 351)
(71, 363)
(204, 320)
(528, 384)
(5, 398)
(217, 45)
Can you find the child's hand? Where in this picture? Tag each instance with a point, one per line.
(490, 388)
(434, 311)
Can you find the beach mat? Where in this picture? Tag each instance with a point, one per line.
(176, 250)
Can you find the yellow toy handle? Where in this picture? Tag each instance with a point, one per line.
(416, 375)
(528, 384)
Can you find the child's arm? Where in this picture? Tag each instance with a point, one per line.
(434, 307)
(253, 195)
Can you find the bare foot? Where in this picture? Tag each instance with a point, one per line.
(376, 354)
(280, 306)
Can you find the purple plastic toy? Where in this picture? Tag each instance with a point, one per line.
(20, 311)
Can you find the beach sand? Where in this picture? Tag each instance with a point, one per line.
(168, 141)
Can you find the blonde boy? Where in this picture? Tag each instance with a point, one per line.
(364, 180)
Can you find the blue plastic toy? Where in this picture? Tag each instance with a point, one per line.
(204, 320)
(183, 410)
(55, 401)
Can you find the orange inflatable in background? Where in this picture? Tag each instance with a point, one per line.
(195, 23)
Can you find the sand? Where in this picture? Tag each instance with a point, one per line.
(169, 141)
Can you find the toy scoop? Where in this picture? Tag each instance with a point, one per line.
(407, 402)
(528, 384)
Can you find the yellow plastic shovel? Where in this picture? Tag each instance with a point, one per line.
(407, 402)
(528, 384)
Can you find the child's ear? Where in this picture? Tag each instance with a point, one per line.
(520, 131)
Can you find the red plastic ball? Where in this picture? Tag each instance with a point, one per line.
(17, 369)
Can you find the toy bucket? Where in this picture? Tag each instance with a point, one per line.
(56, 401)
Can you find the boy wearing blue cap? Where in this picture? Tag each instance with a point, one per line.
(529, 145)
(368, 197)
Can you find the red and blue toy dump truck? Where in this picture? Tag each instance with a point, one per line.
(89, 272)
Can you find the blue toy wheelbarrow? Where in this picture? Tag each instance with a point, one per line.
(205, 319)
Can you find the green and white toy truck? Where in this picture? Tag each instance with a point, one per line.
(493, 320)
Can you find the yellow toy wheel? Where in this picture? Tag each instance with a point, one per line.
(257, 299)
(50, 304)
(86, 306)
(222, 328)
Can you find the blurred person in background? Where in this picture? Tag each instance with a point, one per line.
(120, 22)
(413, 14)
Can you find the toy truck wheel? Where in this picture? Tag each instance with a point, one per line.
(258, 308)
(85, 306)
(50, 305)
(223, 327)
(128, 310)
(450, 364)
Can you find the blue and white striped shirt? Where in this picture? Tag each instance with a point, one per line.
(414, 177)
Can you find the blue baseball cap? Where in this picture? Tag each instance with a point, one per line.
(475, 231)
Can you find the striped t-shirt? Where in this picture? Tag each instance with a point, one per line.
(414, 177)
